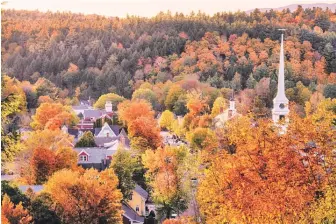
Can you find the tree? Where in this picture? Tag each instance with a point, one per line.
(13, 102)
(53, 116)
(166, 120)
(166, 170)
(124, 166)
(43, 164)
(202, 138)
(146, 94)
(218, 106)
(114, 98)
(87, 140)
(330, 91)
(173, 95)
(147, 129)
(91, 197)
(14, 193)
(14, 214)
(66, 158)
(253, 183)
(41, 210)
(128, 111)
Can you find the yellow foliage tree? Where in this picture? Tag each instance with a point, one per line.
(218, 105)
(167, 120)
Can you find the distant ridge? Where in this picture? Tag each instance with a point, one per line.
(331, 6)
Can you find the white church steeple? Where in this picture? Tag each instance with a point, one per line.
(280, 102)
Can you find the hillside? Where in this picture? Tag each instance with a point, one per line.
(90, 55)
(293, 7)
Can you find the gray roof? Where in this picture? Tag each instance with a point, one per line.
(123, 133)
(96, 154)
(141, 191)
(100, 141)
(35, 188)
(80, 107)
(131, 214)
(93, 113)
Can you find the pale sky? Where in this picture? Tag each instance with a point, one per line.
(150, 7)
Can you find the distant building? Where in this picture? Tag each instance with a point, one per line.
(225, 115)
(280, 102)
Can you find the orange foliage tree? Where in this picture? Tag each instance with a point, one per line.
(11, 213)
(142, 127)
(89, 197)
(268, 177)
(53, 116)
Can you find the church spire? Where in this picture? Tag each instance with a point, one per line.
(281, 78)
(280, 102)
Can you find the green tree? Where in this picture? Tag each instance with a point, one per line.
(87, 140)
(41, 210)
(13, 103)
(14, 193)
(146, 94)
(114, 98)
(330, 91)
(124, 166)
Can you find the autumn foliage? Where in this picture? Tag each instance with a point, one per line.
(53, 116)
(269, 177)
(11, 213)
(76, 195)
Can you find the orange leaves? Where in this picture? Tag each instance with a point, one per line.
(264, 180)
(76, 195)
(147, 128)
(128, 111)
(163, 172)
(139, 117)
(52, 116)
(11, 213)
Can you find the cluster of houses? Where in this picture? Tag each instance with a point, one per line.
(108, 138)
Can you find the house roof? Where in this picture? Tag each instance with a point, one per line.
(114, 128)
(93, 113)
(73, 131)
(81, 107)
(35, 188)
(123, 132)
(100, 141)
(96, 154)
(143, 193)
(131, 214)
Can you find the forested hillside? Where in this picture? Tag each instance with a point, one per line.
(232, 50)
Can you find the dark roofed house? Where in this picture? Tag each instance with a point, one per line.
(130, 216)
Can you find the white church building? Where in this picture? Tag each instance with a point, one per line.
(280, 103)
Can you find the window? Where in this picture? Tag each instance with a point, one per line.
(83, 158)
(282, 117)
(137, 208)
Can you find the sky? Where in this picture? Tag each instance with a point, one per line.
(150, 8)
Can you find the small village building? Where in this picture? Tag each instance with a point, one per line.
(225, 115)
